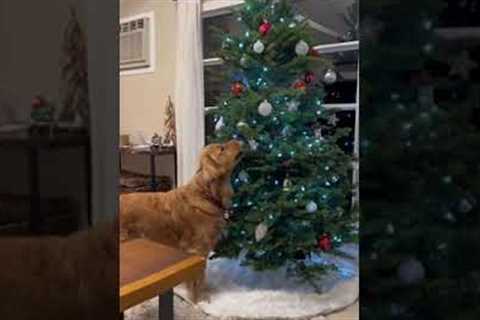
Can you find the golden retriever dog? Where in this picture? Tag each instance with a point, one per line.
(59, 278)
(191, 217)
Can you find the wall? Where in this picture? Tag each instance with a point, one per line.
(17, 86)
(143, 97)
(30, 64)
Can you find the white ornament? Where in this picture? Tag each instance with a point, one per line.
(242, 125)
(411, 271)
(330, 76)
(265, 108)
(390, 229)
(293, 105)
(428, 24)
(302, 48)
(220, 124)
(261, 231)
(253, 144)
(311, 207)
(318, 134)
(258, 47)
(428, 48)
(450, 217)
(243, 176)
(243, 61)
(465, 206)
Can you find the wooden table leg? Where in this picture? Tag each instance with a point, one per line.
(37, 220)
(165, 306)
(153, 173)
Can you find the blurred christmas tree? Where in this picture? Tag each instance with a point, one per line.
(420, 178)
(74, 72)
(170, 134)
(293, 187)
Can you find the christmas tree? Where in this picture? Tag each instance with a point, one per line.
(293, 187)
(74, 72)
(170, 135)
(420, 179)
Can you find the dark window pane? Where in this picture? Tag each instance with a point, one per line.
(216, 84)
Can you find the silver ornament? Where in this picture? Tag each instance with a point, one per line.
(465, 206)
(258, 47)
(243, 176)
(390, 229)
(428, 48)
(265, 108)
(253, 144)
(449, 217)
(302, 48)
(220, 124)
(311, 207)
(293, 105)
(287, 184)
(243, 62)
(411, 271)
(261, 231)
(427, 24)
(330, 76)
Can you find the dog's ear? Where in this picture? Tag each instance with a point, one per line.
(209, 168)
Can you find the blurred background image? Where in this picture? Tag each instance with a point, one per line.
(58, 242)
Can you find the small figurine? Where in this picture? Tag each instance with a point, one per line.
(156, 141)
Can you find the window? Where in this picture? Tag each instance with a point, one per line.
(137, 44)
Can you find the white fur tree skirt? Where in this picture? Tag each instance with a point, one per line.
(237, 292)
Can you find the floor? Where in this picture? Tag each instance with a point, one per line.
(184, 311)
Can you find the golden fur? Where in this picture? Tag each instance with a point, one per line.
(60, 278)
(190, 217)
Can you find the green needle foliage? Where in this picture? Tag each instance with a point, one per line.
(420, 178)
(293, 160)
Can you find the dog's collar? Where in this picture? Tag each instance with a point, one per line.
(217, 202)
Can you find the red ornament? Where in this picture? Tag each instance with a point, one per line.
(309, 77)
(38, 102)
(325, 243)
(237, 89)
(300, 85)
(265, 28)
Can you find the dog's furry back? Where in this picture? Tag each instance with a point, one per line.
(59, 278)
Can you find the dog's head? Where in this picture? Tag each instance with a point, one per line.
(219, 160)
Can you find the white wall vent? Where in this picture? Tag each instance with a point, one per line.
(137, 43)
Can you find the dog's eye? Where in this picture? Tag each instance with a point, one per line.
(222, 148)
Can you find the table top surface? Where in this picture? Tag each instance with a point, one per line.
(163, 150)
(148, 269)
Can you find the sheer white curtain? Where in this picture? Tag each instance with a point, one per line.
(189, 95)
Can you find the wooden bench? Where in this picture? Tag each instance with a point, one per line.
(149, 269)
